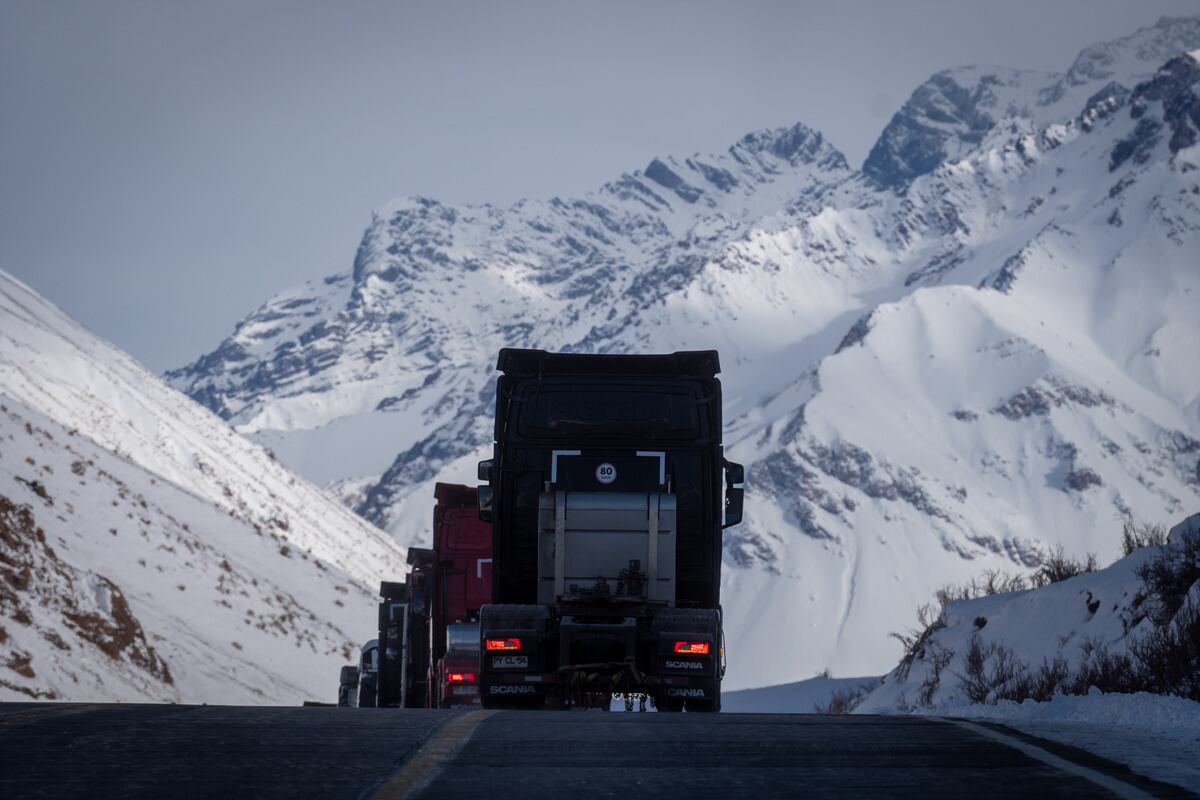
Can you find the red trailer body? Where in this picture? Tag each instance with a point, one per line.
(428, 645)
(462, 582)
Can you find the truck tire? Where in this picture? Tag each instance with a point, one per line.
(348, 687)
(706, 706)
(668, 705)
(367, 691)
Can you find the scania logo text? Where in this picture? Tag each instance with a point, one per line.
(515, 688)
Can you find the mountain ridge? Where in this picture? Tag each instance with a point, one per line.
(960, 371)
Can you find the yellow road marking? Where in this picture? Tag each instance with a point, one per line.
(423, 767)
(56, 711)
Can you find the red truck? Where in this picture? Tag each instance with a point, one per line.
(427, 653)
(461, 584)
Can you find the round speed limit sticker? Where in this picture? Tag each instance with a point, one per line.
(606, 473)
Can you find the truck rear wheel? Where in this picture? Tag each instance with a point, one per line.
(704, 706)
(348, 687)
(535, 703)
(367, 691)
(668, 704)
(710, 704)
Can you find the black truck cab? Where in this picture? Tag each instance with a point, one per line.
(607, 492)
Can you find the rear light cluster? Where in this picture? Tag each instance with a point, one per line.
(503, 644)
(461, 677)
(692, 648)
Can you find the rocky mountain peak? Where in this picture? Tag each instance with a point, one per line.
(1174, 88)
(946, 116)
(951, 112)
(1148, 47)
(795, 144)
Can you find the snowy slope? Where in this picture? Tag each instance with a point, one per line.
(1060, 620)
(1074, 623)
(926, 377)
(150, 551)
(50, 363)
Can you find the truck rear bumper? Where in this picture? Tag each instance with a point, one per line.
(670, 654)
(554, 689)
(647, 683)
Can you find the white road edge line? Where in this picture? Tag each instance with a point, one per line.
(1117, 787)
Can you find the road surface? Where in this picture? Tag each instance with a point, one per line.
(80, 750)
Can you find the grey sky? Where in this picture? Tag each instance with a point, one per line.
(166, 166)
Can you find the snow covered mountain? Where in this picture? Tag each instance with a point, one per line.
(149, 551)
(1035, 643)
(948, 115)
(970, 352)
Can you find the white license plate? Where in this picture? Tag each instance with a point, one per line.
(463, 690)
(509, 662)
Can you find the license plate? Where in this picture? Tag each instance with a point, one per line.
(463, 690)
(509, 662)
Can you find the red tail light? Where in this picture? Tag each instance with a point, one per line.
(692, 648)
(502, 644)
(461, 677)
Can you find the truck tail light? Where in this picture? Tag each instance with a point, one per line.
(461, 677)
(503, 644)
(692, 648)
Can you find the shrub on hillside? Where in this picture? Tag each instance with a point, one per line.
(1169, 577)
(1163, 657)
(993, 581)
(1105, 671)
(844, 701)
(914, 640)
(993, 673)
(1169, 656)
(1058, 566)
(1134, 536)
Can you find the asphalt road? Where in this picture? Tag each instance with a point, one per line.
(71, 750)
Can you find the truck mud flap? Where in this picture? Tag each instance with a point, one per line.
(687, 680)
(499, 687)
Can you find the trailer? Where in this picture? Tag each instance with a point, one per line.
(427, 651)
(459, 584)
(607, 492)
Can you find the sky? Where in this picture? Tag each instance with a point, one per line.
(167, 167)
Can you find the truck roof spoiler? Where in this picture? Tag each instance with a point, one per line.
(393, 590)
(420, 555)
(684, 363)
(455, 494)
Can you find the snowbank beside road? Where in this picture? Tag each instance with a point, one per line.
(1155, 735)
(1070, 661)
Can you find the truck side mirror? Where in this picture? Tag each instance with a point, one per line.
(485, 503)
(484, 470)
(735, 476)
